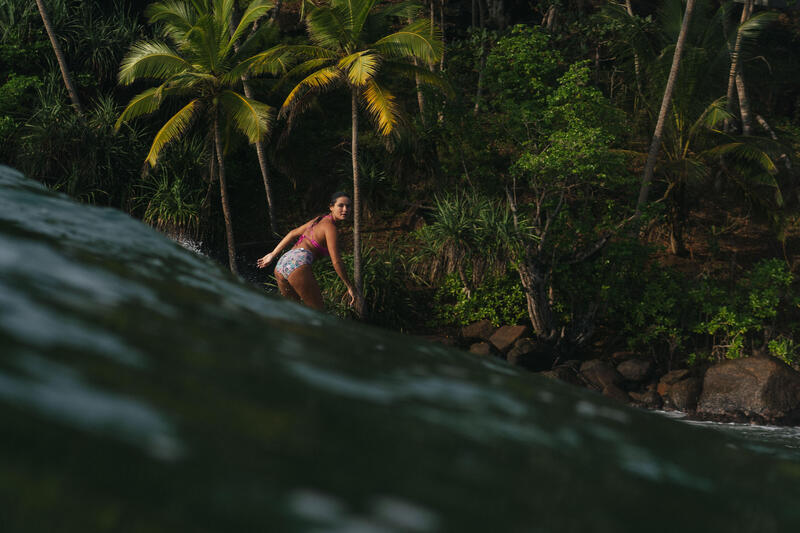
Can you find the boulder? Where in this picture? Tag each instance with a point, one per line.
(680, 389)
(600, 375)
(764, 389)
(635, 370)
(648, 399)
(565, 373)
(614, 392)
(623, 356)
(669, 379)
(505, 337)
(482, 330)
(530, 354)
(484, 348)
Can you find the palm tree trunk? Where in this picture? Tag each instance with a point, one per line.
(357, 274)
(744, 104)
(223, 192)
(655, 145)
(747, 10)
(636, 65)
(62, 62)
(260, 149)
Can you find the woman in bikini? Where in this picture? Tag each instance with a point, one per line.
(316, 238)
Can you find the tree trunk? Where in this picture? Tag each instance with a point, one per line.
(260, 149)
(223, 192)
(677, 221)
(733, 73)
(537, 299)
(636, 66)
(357, 274)
(655, 145)
(62, 62)
(744, 104)
(444, 44)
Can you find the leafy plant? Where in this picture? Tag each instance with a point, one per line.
(499, 299)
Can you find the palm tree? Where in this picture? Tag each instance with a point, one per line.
(655, 145)
(202, 64)
(62, 61)
(353, 46)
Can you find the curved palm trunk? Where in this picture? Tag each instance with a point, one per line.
(735, 82)
(62, 62)
(260, 149)
(357, 275)
(223, 191)
(655, 145)
(636, 65)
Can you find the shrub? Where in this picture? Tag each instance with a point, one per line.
(499, 299)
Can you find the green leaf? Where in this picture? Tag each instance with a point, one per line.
(173, 129)
(250, 117)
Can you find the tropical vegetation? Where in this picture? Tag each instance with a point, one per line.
(615, 175)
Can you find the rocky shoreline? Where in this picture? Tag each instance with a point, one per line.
(759, 390)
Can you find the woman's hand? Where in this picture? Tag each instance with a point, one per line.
(264, 261)
(352, 294)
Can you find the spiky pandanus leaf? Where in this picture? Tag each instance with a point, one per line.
(251, 118)
(172, 129)
(151, 59)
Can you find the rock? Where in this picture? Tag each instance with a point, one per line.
(635, 370)
(614, 392)
(564, 373)
(482, 330)
(484, 348)
(764, 389)
(530, 354)
(506, 336)
(684, 394)
(648, 399)
(669, 379)
(623, 356)
(680, 390)
(600, 374)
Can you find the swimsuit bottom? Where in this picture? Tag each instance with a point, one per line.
(292, 260)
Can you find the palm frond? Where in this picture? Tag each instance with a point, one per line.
(176, 16)
(143, 103)
(744, 151)
(327, 27)
(360, 67)
(402, 10)
(417, 40)
(174, 128)
(274, 61)
(321, 79)
(253, 12)
(396, 69)
(252, 118)
(382, 106)
(752, 27)
(714, 114)
(359, 10)
(151, 59)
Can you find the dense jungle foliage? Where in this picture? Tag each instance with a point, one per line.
(500, 157)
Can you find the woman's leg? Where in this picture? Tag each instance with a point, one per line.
(286, 288)
(303, 282)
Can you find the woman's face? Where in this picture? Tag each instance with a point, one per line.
(340, 209)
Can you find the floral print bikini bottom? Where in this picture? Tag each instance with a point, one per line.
(292, 260)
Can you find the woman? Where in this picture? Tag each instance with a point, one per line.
(316, 238)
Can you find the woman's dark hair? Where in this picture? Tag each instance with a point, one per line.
(338, 194)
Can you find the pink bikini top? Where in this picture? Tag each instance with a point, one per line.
(315, 244)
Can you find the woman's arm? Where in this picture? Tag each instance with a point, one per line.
(295, 233)
(332, 241)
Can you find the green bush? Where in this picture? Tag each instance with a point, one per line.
(388, 299)
(499, 299)
(751, 311)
